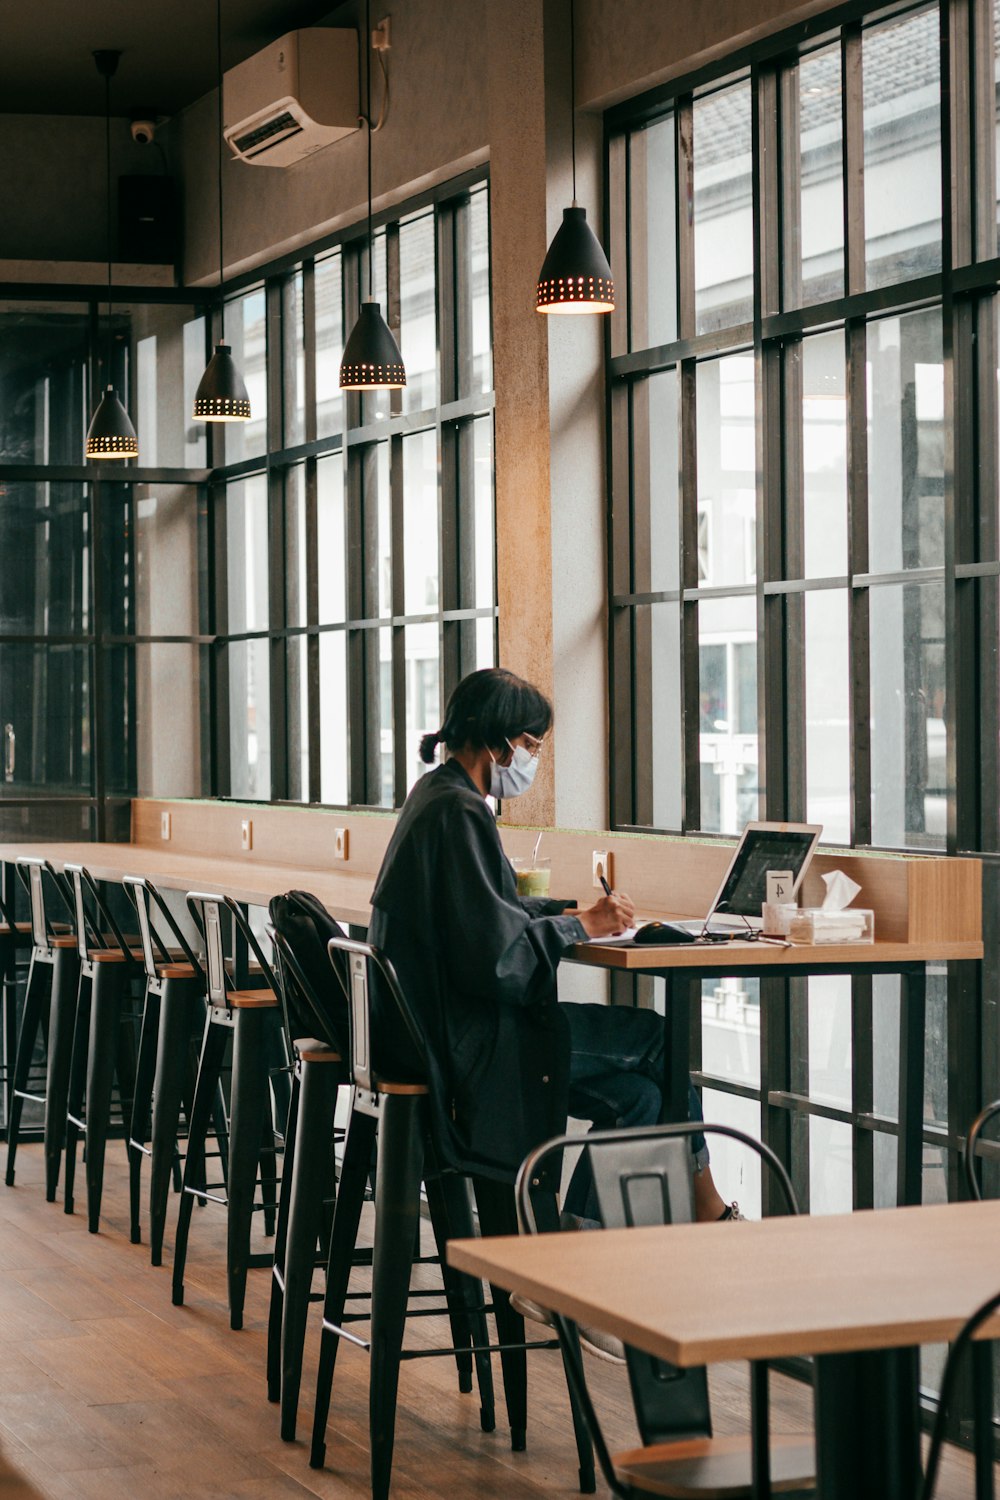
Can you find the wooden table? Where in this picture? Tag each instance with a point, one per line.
(683, 967)
(860, 1291)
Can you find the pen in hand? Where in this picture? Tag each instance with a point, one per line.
(607, 888)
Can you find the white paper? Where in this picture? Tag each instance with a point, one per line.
(840, 891)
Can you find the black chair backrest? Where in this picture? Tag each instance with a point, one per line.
(32, 870)
(971, 1143)
(317, 1000)
(144, 896)
(641, 1177)
(305, 1013)
(206, 911)
(939, 1431)
(363, 962)
(95, 926)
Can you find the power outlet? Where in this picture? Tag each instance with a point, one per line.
(340, 843)
(381, 36)
(246, 834)
(601, 866)
(164, 825)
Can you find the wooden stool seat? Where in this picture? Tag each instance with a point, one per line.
(252, 999)
(175, 971)
(112, 955)
(62, 942)
(311, 1049)
(383, 1087)
(715, 1468)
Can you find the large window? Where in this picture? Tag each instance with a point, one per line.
(805, 549)
(273, 610)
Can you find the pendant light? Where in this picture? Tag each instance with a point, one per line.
(372, 361)
(110, 434)
(575, 275)
(221, 395)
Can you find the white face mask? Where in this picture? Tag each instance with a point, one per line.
(512, 780)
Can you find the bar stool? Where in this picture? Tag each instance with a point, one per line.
(308, 1186)
(250, 1019)
(173, 1007)
(53, 973)
(103, 1051)
(406, 1155)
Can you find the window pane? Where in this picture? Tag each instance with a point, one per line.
(484, 519)
(902, 124)
(169, 353)
(735, 1165)
(727, 657)
(170, 584)
(831, 1167)
(824, 455)
(479, 251)
(420, 523)
(905, 443)
(246, 551)
(485, 643)
(44, 558)
(170, 704)
(730, 1030)
(378, 531)
(814, 267)
(383, 791)
(659, 747)
(296, 556)
(333, 716)
(829, 1012)
(723, 209)
(246, 332)
(249, 720)
(46, 698)
(655, 494)
(297, 712)
(327, 288)
(727, 468)
(418, 319)
(423, 693)
(828, 716)
(909, 781)
(294, 363)
(653, 234)
(43, 384)
(330, 538)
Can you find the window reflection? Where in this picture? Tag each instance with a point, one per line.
(727, 468)
(723, 209)
(727, 666)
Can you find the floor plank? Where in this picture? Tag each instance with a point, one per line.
(109, 1392)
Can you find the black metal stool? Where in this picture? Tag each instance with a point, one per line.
(406, 1156)
(249, 1018)
(173, 1008)
(53, 973)
(103, 1052)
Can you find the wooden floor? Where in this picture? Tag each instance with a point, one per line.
(107, 1392)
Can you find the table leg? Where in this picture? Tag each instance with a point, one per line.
(677, 1058)
(912, 1034)
(868, 1425)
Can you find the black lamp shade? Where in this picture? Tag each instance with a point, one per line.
(221, 395)
(575, 277)
(111, 434)
(372, 360)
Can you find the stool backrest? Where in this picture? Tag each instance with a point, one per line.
(94, 923)
(144, 895)
(32, 871)
(315, 999)
(304, 1013)
(642, 1177)
(206, 911)
(364, 962)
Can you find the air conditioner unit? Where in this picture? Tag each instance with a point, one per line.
(297, 96)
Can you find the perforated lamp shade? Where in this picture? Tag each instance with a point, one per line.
(111, 434)
(221, 395)
(575, 276)
(372, 361)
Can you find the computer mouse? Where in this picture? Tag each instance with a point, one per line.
(663, 933)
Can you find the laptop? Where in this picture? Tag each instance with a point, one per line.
(762, 847)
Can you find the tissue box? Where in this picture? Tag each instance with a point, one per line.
(811, 924)
(778, 918)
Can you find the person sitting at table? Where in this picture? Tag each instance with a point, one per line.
(477, 963)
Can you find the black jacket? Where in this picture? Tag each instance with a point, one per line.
(478, 966)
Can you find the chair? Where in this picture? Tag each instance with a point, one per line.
(173, 1006)
(249, 1018)
(395, 1113)
(982, 1356)
(644, 1176)
(53, 973)
(972, 1135)
(103, 1051)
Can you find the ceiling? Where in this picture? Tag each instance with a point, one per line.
(167, 46)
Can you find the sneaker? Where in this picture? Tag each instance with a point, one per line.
(530, 1310)
(731, 1214)
(601, 1345)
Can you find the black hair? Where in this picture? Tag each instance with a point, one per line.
(487, 708)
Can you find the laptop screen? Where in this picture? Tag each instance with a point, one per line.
(745, 888)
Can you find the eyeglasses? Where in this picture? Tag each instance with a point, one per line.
(534, 746)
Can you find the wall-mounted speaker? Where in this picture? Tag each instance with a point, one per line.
(147, 220)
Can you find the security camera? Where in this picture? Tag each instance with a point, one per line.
(143, 131)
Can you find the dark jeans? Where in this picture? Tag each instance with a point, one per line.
(616, 1079)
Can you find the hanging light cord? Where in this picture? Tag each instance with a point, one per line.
(368, 122)
(218, 62)
(572, 87)
(107, 160)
